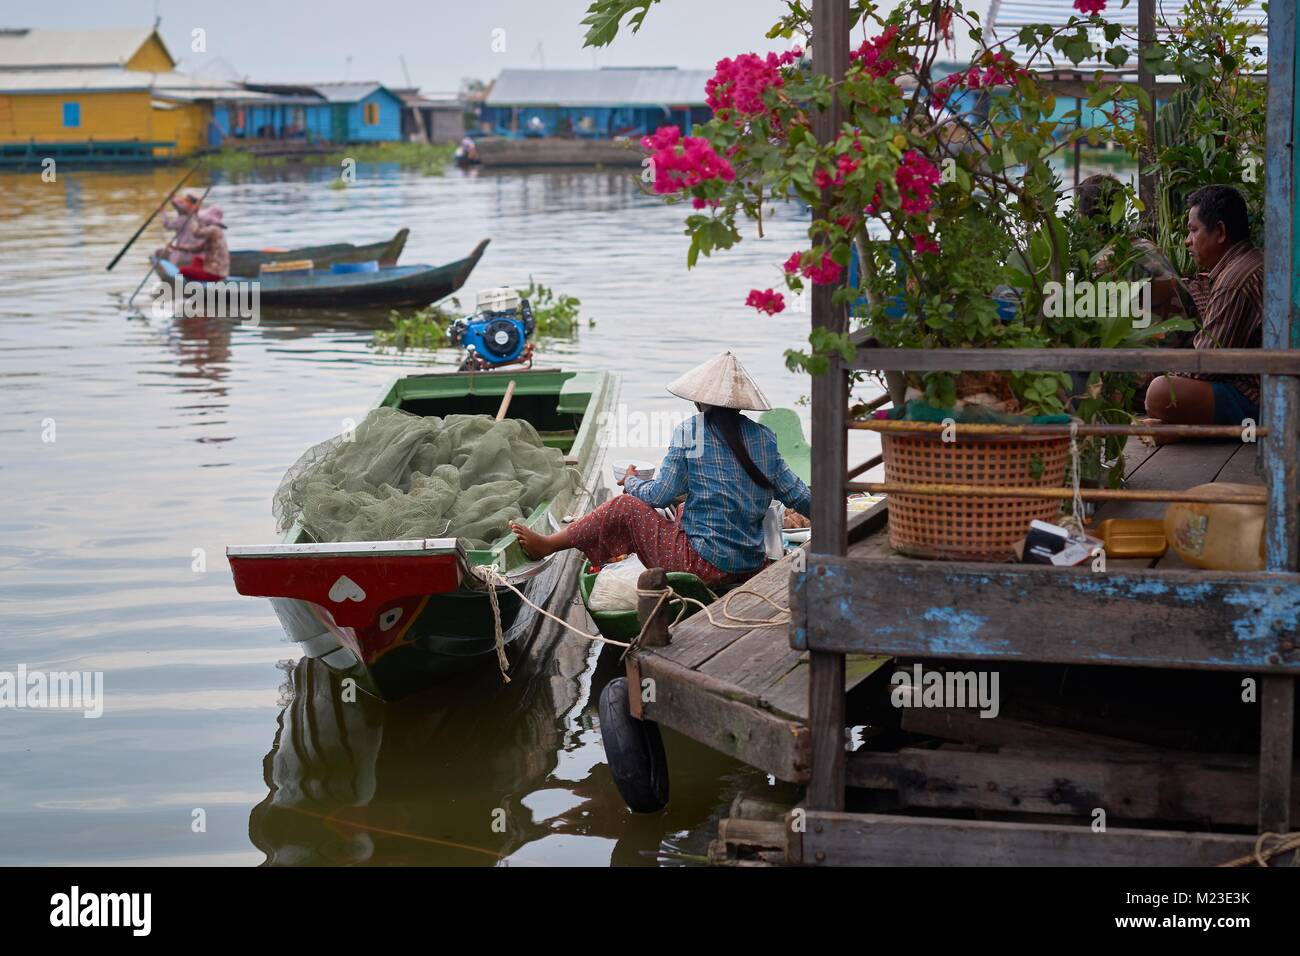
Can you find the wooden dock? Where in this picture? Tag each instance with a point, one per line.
(1024, 788)
(741, 691)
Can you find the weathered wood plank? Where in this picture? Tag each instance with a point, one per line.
(789, 695)
(1244, 467)
(696, 640)
(1180, 619)
(969, 727)
(1176, 466)
(756, 661)
(1175, 361)
(1146, 785)
(867, 839)
(725, 718)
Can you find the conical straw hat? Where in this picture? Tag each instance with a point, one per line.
(721, 381)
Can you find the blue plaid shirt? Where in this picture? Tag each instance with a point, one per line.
(723, 517)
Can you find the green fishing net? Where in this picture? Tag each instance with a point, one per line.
(401, 476)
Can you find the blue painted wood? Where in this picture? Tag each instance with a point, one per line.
(1184, 619)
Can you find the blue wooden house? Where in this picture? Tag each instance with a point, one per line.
(318, 112)
(595, 104)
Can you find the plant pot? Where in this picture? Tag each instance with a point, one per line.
(967, 528)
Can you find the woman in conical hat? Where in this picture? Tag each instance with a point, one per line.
(727, 466)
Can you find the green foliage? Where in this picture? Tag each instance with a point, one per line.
(423, 329)
(556, 315)
(604, 17)
(429, 158)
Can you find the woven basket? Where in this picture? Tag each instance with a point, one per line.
(961, 527)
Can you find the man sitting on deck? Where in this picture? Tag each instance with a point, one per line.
(1230, 298)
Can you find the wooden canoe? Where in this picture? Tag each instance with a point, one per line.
(247, 262)
(399, 616)
(416, 286)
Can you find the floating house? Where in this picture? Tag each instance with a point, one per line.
(432, 117)
(315, 112)
(595, 104)
(96, 96)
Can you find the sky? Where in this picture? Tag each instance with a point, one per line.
(442, 42)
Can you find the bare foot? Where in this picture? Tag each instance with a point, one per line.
(534, 545)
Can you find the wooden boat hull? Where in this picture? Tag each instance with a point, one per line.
(400, 616)
(248, 262)
(414, 286)
(543, 151)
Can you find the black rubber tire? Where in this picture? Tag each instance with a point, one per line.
(634, 750)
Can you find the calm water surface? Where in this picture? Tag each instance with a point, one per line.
(170, 437)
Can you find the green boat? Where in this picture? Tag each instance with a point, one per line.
(248, 262)
(400, 616)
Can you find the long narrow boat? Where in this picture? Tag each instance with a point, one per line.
(395, 286)
(248, 262)
(399, 616)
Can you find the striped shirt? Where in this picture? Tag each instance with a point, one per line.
(1230, 299)
(723, 517)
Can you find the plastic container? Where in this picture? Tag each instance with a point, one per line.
(1133, 537)
(348, 268)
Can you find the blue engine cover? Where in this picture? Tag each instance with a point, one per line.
(497, 338)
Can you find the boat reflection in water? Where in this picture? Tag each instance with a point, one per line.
(480, 773)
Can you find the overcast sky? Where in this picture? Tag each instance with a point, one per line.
(442, 41)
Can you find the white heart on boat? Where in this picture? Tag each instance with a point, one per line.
(345, 589)
(389, 618)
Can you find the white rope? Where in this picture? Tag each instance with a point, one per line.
(1075, 521)
(492, 578)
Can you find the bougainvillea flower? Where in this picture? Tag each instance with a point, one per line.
(1089, 7)
(739, 84)
(680, 162)
(916, 178)
(766, 301)
(922, 244)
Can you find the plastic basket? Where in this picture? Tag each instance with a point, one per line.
(968, 528)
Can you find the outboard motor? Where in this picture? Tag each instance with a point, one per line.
(496, 334)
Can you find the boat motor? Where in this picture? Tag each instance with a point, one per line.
(497, 333)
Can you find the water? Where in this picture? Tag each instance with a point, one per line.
(169, 437)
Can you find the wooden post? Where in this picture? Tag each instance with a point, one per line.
(656, 630)
(1147, 83)
(830, 46)
(1280, 397)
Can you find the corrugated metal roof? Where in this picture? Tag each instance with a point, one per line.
(45, 49)
(609, 87)
(345, 92)
(1006, 17)
(112, 80)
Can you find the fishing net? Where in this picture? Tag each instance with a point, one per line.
(403, 476)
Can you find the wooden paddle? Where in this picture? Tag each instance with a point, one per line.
(182, 229)
(161, 206)
(505, 401)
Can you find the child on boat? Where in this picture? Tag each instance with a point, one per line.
(726, 464)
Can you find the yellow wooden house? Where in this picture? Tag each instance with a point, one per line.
(97, 95)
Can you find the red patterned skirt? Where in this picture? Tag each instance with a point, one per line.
(627, 525)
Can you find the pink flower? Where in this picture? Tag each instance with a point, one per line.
(827, 273)
(681, 162)
(916, 177)
(922, 244)
(739, 84)
(766, 301)
(822, 179)
(872, 54)
(1089, 7)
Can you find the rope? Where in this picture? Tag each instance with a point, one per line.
(1075, 521)
(493, 578)
(1285, 842)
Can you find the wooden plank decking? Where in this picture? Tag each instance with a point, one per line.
(741, 690)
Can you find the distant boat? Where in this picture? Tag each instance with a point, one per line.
(558, 151)
(400, 616)
(416, 286)
(247, 262)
